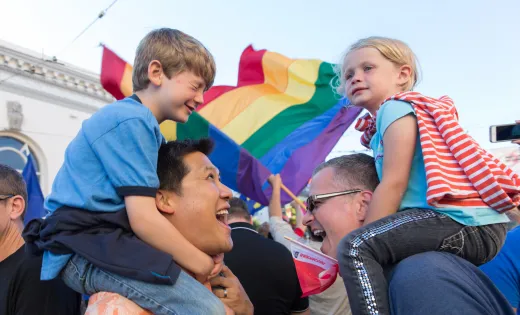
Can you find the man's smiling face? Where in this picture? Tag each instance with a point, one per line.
(334, 217)
(202, 206)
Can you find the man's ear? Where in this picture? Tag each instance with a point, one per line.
(155, 72)
(164, 201)
(364, 198)
(18, 207)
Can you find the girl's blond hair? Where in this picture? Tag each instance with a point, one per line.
(394, 50)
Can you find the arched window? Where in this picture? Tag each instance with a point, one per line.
(14, 149)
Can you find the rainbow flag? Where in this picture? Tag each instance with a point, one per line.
(116, 75)
(282, 117)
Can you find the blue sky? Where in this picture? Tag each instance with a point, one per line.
(468, 50)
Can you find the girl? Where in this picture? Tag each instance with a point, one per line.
(438, 189)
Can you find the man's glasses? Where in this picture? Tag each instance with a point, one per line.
(311, 201)
(5, 197)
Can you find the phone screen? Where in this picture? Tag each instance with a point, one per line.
(509, 132)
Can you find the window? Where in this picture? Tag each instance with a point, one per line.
(14, 151)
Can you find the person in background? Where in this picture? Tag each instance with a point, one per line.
(334, 300)
(264, 229)
(438, 283)
(514, 215)
(21, 290)
(264, 267)
(517, 141)
(504, 269)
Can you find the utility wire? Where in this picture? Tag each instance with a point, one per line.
(100, 16)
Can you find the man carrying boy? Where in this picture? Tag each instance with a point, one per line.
(192, 198)
(111, 167)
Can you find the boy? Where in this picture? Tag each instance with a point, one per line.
(110, 167)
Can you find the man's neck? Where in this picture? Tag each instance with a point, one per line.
(11, 241)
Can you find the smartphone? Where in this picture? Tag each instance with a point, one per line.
(502, 133)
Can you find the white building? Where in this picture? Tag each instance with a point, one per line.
(42, 105)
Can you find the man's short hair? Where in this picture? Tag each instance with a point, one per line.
(353, 171)
(171, 168)
(177, 52)
(12, 183)
(238, 209)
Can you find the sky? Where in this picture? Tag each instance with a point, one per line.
(468, 50)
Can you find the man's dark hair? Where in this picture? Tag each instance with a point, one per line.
(12, 183)
(238, 209)
(353, 171)
(170, 165)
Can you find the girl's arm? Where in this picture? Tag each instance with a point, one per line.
(399, 147)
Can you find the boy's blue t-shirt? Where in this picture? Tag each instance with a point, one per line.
(415, 195)
(504, 269)
(113, 155)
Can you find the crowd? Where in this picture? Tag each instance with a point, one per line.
(146, 226)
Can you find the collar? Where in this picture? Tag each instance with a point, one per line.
(242, 226)
(136, 98)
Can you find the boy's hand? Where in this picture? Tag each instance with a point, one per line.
(205, 268)
(219, 263)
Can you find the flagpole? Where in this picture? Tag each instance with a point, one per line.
(298, 201)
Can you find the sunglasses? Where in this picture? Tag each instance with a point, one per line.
(5, 197)
(311, 201)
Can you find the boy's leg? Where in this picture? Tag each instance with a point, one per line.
(363, 252)
(187, 296)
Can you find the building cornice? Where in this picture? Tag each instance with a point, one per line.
(52, 98)
(23, 63)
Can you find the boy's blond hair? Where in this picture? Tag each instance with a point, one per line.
(177, 52)
(394, 50)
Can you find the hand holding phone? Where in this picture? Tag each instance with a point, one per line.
(503, 133)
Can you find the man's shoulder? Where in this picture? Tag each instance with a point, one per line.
(25, 271)
(275, 249)
(275, 246)
(28, 286)
(514, 234)
(29, 267)
(510, 252)
(10, 266)
(255, 240)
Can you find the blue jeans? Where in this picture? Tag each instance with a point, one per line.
(364, 253)
(186, 296)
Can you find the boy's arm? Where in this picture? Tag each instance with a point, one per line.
(154, 229)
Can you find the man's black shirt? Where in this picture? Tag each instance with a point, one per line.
(23, 293)
(266, 271)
